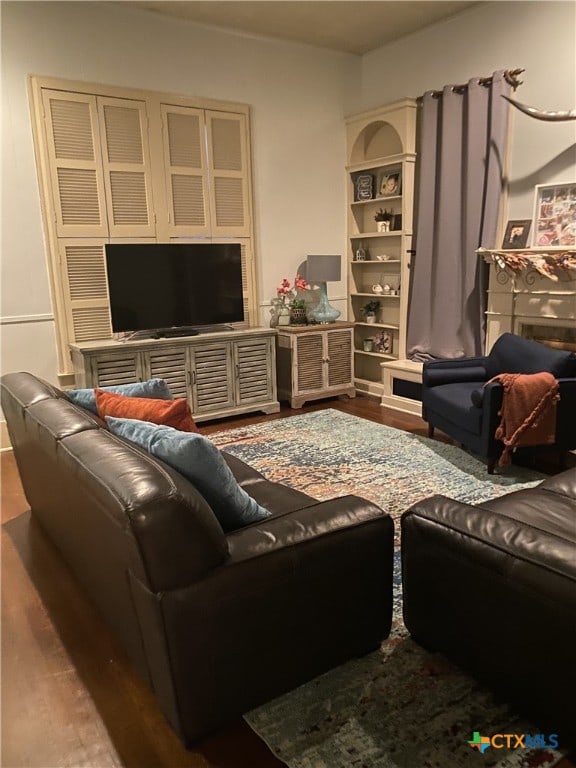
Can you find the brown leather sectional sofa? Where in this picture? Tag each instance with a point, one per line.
(216, 623)
(493, 587)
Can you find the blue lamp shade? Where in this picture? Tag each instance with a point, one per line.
(320, 270)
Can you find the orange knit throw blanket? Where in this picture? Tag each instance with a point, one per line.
(528, 411)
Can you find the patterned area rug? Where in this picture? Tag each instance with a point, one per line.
(329, 453)
(399, 707)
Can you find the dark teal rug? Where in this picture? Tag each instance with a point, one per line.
(399, 707)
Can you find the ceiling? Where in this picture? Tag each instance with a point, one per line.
(351, 26)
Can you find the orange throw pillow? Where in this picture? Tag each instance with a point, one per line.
(171, 413)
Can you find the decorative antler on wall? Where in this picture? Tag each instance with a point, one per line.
(539, 114)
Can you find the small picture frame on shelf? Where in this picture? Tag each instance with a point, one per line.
(363, 187)
(516, 234)
(397, 222)
(383, 343)
(555, 215)
(390, 183)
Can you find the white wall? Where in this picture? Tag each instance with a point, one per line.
(298, 94)
(537, 36)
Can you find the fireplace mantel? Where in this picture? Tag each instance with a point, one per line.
(558, 264)
(531, 292)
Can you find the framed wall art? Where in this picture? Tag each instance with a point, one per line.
(516, 234)
(555, 215)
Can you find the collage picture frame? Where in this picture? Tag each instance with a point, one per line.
(554, 215)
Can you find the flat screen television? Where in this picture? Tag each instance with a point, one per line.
(173, 288)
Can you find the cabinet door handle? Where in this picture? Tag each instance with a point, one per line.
(191, 378)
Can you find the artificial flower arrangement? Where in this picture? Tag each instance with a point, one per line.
(288, 293)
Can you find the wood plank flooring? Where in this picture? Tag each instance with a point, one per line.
(69, 696)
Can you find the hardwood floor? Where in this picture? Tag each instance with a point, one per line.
(69, 696)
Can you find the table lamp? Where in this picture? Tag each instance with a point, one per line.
(320, 270)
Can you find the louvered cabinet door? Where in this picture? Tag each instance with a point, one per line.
(339, 358)
(184, 145)
(126, 163)
(211, 377)
(85, 289)
(253, 368)
(110, 368)
(308, 362)
(74, 168)
(170, 364)
(228, 168)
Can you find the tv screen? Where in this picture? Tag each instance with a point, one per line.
(156, 286)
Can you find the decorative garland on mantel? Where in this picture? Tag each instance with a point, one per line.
(555, 265)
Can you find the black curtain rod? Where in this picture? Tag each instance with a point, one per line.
(510, 75)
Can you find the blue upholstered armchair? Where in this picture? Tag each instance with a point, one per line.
(457, 400)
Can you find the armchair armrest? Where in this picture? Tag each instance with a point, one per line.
(436, 372)
(492, 394)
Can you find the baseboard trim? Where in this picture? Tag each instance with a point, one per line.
(5, 444)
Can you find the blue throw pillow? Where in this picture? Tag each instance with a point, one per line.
(198, 459)
(153, 388)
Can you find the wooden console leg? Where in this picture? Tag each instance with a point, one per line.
(491, 466)
(430, 430)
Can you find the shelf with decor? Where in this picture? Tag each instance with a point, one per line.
(381, 164)
(380, 355)
(373, 295)
(374, 263)
(379, 325)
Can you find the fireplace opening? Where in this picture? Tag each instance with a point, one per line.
(556, 336)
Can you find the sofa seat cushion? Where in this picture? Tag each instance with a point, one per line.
(454, 402)
(154, 388)
(172, 413)
(198, 459)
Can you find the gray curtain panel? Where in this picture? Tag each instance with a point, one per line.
(461, 153)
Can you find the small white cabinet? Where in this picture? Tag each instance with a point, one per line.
(221, 374)
(315, 362)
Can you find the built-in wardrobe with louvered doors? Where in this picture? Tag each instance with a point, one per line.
(134, 166)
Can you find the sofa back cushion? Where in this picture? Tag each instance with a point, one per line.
(198, 459)
(514, 354)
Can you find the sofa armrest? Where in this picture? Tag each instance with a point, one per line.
(300, 593)
(474, 531)
(302, 526)
(436, 372)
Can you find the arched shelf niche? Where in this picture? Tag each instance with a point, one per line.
(377, 139)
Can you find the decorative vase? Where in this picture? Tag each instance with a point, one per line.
(298, 316)
(284, 315)
(324, 312)
(275, 308)
(370, 317)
